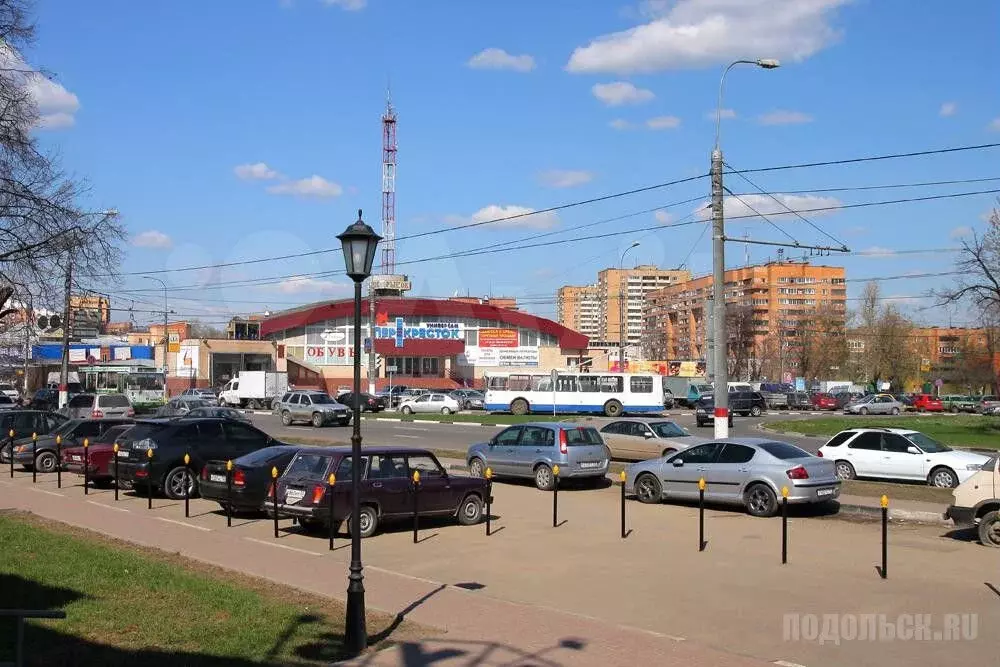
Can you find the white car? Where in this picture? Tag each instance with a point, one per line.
(899, 453)
(8, 389)
(430, 402)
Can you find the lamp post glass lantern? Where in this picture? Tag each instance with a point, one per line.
(359, 242)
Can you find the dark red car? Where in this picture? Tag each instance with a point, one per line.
(100, 457)
(824, 401)
(927, 403)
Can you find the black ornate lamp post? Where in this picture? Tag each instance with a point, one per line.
(359, 242)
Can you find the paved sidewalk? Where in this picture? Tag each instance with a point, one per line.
(477, 629)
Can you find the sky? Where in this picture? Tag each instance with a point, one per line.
(237, 130)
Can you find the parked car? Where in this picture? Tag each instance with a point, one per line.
(799, 400)
(988, 404)
(927, 403)
(897, 453)
(98, 406)
(221, 413)
(369, 403)
(393, 394)
(205, 439)
(747, 403)
(430, 402)
(315, 407)
(386, 488)
(73, 432)
(469, 399)
(976, 503)
(44, 399)
(954, 403)
(844, 398)
(7, 389)
(824, 401)
(99, 458)
(532, 450)
(874, 404)
(202, 392)
(8, 403)
(704, 412)
(641, 439)
(251, 477)
(24, 423)
(745, 471)
(181, 405)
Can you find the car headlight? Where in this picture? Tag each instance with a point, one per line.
(20, 449)
(974, 466)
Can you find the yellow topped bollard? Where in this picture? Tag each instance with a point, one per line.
(114, 450)
(784, 525)
(10, 434)
(416, 477)
(555, 470)
(784, 492)
(885, 502)
(187, 459)
(701, 514)
(622, 476)
(229, 466)
(701, 484)
(274, 490)
(555, 496)
(884, 572)
(149, 477)
(229, 494)
(59, 466)
(416, 505)
(274, 472)
(331, 480)
(34, 457)
(86, 466)
(489, 473)
(188, 483)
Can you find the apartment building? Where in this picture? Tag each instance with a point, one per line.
(780, 297)
(577, 308)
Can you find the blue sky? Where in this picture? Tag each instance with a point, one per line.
(226, 131)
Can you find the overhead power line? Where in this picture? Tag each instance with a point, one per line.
(874, 158)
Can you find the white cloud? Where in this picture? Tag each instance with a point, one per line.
(55, 105)
(257, 171)
(526, 217)
(618, 93)
(960, 232)
(664, 217)
(314, 186)
(620, 124)
(494, 58)
(152, 239)
(561, 178)
(746, 204)
(876, 251)
(663, 123)
(302, 284)
(702, 33)
(782, 117)
(995, 124)
(948, 109)
(347, 5)
(724, 114)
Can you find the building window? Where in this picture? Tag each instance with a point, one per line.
(528, 338)
(472, 337)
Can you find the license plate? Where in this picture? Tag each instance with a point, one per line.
(825, 492)
(293, 496)
(122, 454)
(590, 464)
(217, 478)
(75, 458)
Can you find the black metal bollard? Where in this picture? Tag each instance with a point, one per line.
(489, 497)
(331, 480)
(86, 466)
(274, 482)
(149, 479)
(229, 494)
(58, 461)
(114, 451)
(10, 436)
(784, 525)
(622, 478)
(416, 505)
(701, 514)
(34, 457)
(188, 481)
(885, 537)
(555, 496)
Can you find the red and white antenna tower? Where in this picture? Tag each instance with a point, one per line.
(389, 187)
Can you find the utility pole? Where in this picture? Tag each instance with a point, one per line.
(371, 337)
(29, 322)
(622, 310)
(64, 370)
(166, 334)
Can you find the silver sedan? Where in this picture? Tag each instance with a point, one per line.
(874, 404)
(745, 471)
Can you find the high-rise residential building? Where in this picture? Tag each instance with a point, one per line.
(577, 308)
(634, 285)
(777, 301)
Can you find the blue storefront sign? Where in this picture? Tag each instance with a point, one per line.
(400, 332)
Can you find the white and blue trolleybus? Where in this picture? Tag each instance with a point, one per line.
(556, 392)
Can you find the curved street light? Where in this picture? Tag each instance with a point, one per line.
(621, 308)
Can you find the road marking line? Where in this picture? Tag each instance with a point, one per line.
(403, 435)
(107, 507)
(285, 546)
(51, 493)
(182, 523)
(383, 419)
(785, 663)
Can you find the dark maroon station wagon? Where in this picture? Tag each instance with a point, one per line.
(386, 488)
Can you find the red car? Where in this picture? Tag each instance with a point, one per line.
(927, 403)
(824, 401)
(99, 458)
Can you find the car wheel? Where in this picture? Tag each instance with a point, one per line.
(613, 408)
(476, 468)
(519, 407)
(368, 522)
(943, 478)
(317, 420)
(755, 411)
(761, 501)
(863, 412)
(953, 409)
(845, 470)
(176, 480)
(286, 418)
(46, 462)
(895, 411)
(543, 478)
(446, 411)
(668, 451)
(470, 512)
(648, 489)
(406, 410)
(989, 529)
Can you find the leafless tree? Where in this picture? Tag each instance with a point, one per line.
(890, 350)
(739, 323)
(822, 343)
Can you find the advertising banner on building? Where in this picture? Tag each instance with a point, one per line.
(401, 331)
(506, 356)
(330, 355)
(498, 338)
(187, 361)
(686, 369)
(77, 356)
(174, 342)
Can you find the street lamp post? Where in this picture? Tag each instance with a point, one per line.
(719, 330)
(166, 335)
(359, 242)
(622, 310)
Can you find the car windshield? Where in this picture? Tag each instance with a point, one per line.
(864, 399)
(667, 430)
(264, 456)
(706, 402)
(309, 466)
(145, 430)
(321, 399)
(927, 443)
(784, 451)
(703, 388)
(583, 435)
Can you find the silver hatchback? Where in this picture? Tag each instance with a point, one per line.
(534, 450)
(315, 407)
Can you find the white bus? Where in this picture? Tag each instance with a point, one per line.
(611, 394)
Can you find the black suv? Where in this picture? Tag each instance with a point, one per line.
(747, 403)
(73, 432)
(205, 439)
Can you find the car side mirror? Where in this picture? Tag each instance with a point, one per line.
(678, 463)
(912, 450)
(647, 435)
